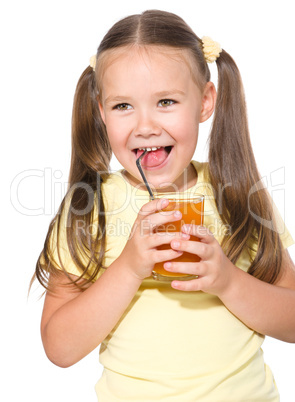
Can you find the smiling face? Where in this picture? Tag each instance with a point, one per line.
(149, 100)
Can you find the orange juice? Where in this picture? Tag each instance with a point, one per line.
(192, 210)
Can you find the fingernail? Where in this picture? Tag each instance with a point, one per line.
(177, 214)
(175, 285)
(185, 235)
(164, 202)
(167, 265)
(175, 244)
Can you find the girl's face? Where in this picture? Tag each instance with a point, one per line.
(150, 100)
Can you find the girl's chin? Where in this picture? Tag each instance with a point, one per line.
(170, 182)
(159, 183)
(163, 181)
(165, 185)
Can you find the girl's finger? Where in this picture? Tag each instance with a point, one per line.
(157, 239)
(155, 222)
(192, 268)
(153, 206)
(166, 255)
(164, 217)
(203, 250)
(188, 286)
(151, 216)
(201, 232)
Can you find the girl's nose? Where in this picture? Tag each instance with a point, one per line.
(147, 126)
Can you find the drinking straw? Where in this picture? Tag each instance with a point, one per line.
(143, 176)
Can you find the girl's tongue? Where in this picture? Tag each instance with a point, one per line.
(153, 158)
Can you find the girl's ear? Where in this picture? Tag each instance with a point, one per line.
(208, 101)
(101, 111)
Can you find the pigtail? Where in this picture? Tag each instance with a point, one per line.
(91, 154)
(83, 205)
(90, 145)
(243, 205)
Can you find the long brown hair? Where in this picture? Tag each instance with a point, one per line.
(232, 165)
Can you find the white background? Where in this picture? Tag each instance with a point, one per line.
(45, 46)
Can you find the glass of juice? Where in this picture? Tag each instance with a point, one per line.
(192, 208)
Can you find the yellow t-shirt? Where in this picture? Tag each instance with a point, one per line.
(171, 345)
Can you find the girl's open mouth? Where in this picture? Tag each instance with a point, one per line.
(155, 156)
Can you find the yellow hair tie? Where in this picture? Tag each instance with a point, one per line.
(211, 49)
(92, 62)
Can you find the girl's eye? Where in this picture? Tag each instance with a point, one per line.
(166, 102)
(123, 106)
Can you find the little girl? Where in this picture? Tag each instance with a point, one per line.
(148, 87)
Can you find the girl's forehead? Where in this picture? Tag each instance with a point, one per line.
(145, 51)
(146, 54)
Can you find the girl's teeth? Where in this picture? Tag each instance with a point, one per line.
(149, 149)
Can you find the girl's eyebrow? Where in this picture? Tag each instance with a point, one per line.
(120, 98)
(161, 94)
(164, 94)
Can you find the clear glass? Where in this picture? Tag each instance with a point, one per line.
(192, 208)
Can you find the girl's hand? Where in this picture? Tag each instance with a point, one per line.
(140, 253)
(214, 270)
